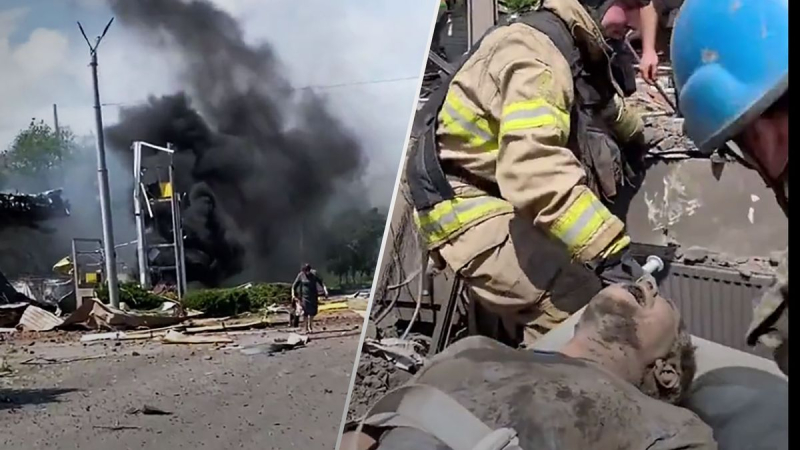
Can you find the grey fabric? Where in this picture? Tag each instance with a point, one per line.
(305, 287)
(748, 409)
(553, 402)
(435, 413)
(410, 439)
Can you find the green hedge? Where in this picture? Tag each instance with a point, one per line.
(132, 295)
(232, 301)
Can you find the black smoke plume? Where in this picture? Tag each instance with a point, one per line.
(256, 158)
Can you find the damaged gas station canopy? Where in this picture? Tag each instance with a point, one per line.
(30, 208)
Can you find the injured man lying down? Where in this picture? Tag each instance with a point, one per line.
(614, 385)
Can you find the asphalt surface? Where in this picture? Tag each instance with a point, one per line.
(218, 397)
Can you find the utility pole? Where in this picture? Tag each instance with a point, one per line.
(55, 122)
(102, 177)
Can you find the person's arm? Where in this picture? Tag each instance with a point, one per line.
(322, 283)
(296, 288)
(648, 66)
(770, 325)
(536, 172)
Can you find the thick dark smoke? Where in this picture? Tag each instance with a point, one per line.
(256, 158)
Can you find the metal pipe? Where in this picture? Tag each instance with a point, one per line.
(76, 276)
(481, 16)
(176, 233)
(181, 252)
(141, 251)
(156, 147)
(105, 196)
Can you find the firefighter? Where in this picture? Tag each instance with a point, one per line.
(731, 68)
(515, 158)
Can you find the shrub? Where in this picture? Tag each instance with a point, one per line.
(218, 302)
(267, 294)
(233, 301)
(132, 295)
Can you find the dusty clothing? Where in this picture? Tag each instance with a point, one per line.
(524, 278)
(770, 324)
(552, 401)
(512, 137)
(507, 119)
(305, 288)
(747, 408)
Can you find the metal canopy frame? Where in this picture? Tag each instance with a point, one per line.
(174, 200)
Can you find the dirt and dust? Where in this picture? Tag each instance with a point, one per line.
(375, 376)
(65, 394)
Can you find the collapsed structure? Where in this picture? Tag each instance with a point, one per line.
(29, 210)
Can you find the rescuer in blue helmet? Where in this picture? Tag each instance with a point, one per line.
(731, 67)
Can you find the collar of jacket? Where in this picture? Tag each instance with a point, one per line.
(586, 32)
(583, 27)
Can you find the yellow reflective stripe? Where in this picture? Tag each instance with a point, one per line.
(460, 121)
(534, 114)
(581, 222)
(616, 246)
(449, 217)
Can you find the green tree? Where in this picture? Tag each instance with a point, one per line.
(519, 6)
(354, 243)
(38, 149)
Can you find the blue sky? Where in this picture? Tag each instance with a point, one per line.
(43, 60)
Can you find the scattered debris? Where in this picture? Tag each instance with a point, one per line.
(176, 337)
(39, 360)
(116, 427)
(405, 354)
(375, 376)
(5, 369)
(693, 255)
(291, 342)
(148, 410)
(94, 315)
(10, 314)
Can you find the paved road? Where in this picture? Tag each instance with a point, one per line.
(219, 398)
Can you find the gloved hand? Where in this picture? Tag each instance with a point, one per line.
(636, 149)
(618, 268)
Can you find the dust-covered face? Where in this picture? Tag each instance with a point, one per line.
(648, 327)
(635, 318)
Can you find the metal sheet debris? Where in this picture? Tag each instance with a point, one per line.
(94, 315)
(37, 319)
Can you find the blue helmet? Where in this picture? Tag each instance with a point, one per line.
(730, 59)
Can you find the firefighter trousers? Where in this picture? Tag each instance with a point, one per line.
(521, 282)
